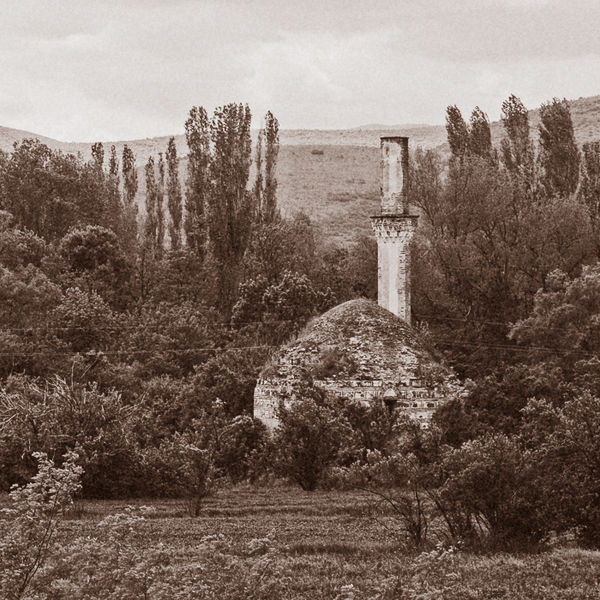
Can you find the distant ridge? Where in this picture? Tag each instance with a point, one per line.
(338, 185)
(585, 111)
(381, 126)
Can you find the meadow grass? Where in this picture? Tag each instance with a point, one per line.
(330, 544)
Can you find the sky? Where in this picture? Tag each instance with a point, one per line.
(85, 70)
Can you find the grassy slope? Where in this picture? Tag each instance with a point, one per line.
(325, 540)
(338, 188)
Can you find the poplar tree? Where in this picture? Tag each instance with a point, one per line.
(259, 186)
(457, 132)
(114, 206)
(229, 214)
(480, 137)
(130, 180)
(174, 199)
(269, 208)
(516, 147)
(150, 226)
(98, 155)
(130, 186)
(197, 135)
(589, 188)
(160, 214)
(559, 156)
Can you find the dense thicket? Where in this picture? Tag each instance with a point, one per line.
(160, 315)
(135, 336)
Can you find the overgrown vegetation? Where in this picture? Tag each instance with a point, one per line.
(135, 340)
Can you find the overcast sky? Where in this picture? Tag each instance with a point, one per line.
(80, 70)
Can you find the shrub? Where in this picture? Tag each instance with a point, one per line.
(57, 417)
(309, 437)
(28, 531)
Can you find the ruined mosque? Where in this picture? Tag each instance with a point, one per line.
(360, 350)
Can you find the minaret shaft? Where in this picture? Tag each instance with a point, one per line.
(394, 229)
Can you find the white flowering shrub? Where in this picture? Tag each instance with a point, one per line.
(28, 526)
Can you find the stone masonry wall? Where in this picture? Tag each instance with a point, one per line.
(411, 396)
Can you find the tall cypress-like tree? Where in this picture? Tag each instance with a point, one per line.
(150, 225)
(160, 212)
(457, 132)
(174, 199)
(269, 208)
(259, 184)
(559, 156)
(589, 188)
(98, 155)
(197, 188)
(516, 147)
(114, 206)
(130, 180)
(480, 137)
(130, 186)
(229, 214)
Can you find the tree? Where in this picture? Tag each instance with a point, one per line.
(589, 189)
(308, 438)
(174, 200)
(562, 329)
(113, 204)
(229, 205)
(517, 147)
(160, 211)
(268, 209)
(85, 322)
(170, 338)
(559, 156)
(458, 133)
(490, 485)
(480, 138)
(26, 537)
(567, 440)
(130, 186)
(197, 135)
(95, 261)
(242, 446)
(151, 225)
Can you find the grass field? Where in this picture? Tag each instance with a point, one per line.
(285, 543)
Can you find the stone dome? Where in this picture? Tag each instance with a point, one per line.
(360, 351)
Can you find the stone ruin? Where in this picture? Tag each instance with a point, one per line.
(363, 351)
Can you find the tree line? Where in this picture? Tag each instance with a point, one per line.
(136, 339)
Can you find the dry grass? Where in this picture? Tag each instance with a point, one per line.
(322, 545)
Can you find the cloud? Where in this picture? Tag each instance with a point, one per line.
(106, 70)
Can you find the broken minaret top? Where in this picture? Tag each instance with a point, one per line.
(394, 175)
(394, 228)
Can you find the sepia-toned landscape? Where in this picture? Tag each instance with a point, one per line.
(256, 359)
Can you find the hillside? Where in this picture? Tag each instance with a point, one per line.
(332, 175)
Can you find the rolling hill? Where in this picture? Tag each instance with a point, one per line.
(331, 175)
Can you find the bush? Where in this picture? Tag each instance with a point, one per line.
(57, 417)
(27, 534)
(309, 437)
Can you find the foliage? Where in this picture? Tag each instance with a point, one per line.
(56, 418)
(243, 448)
(174, 198)
(183, 467)
(567, 439)
(562, 328)
(559, 156)
(28, 529)
(95, 262)
(309, 437)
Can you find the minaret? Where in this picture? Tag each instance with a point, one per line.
(394, 228)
